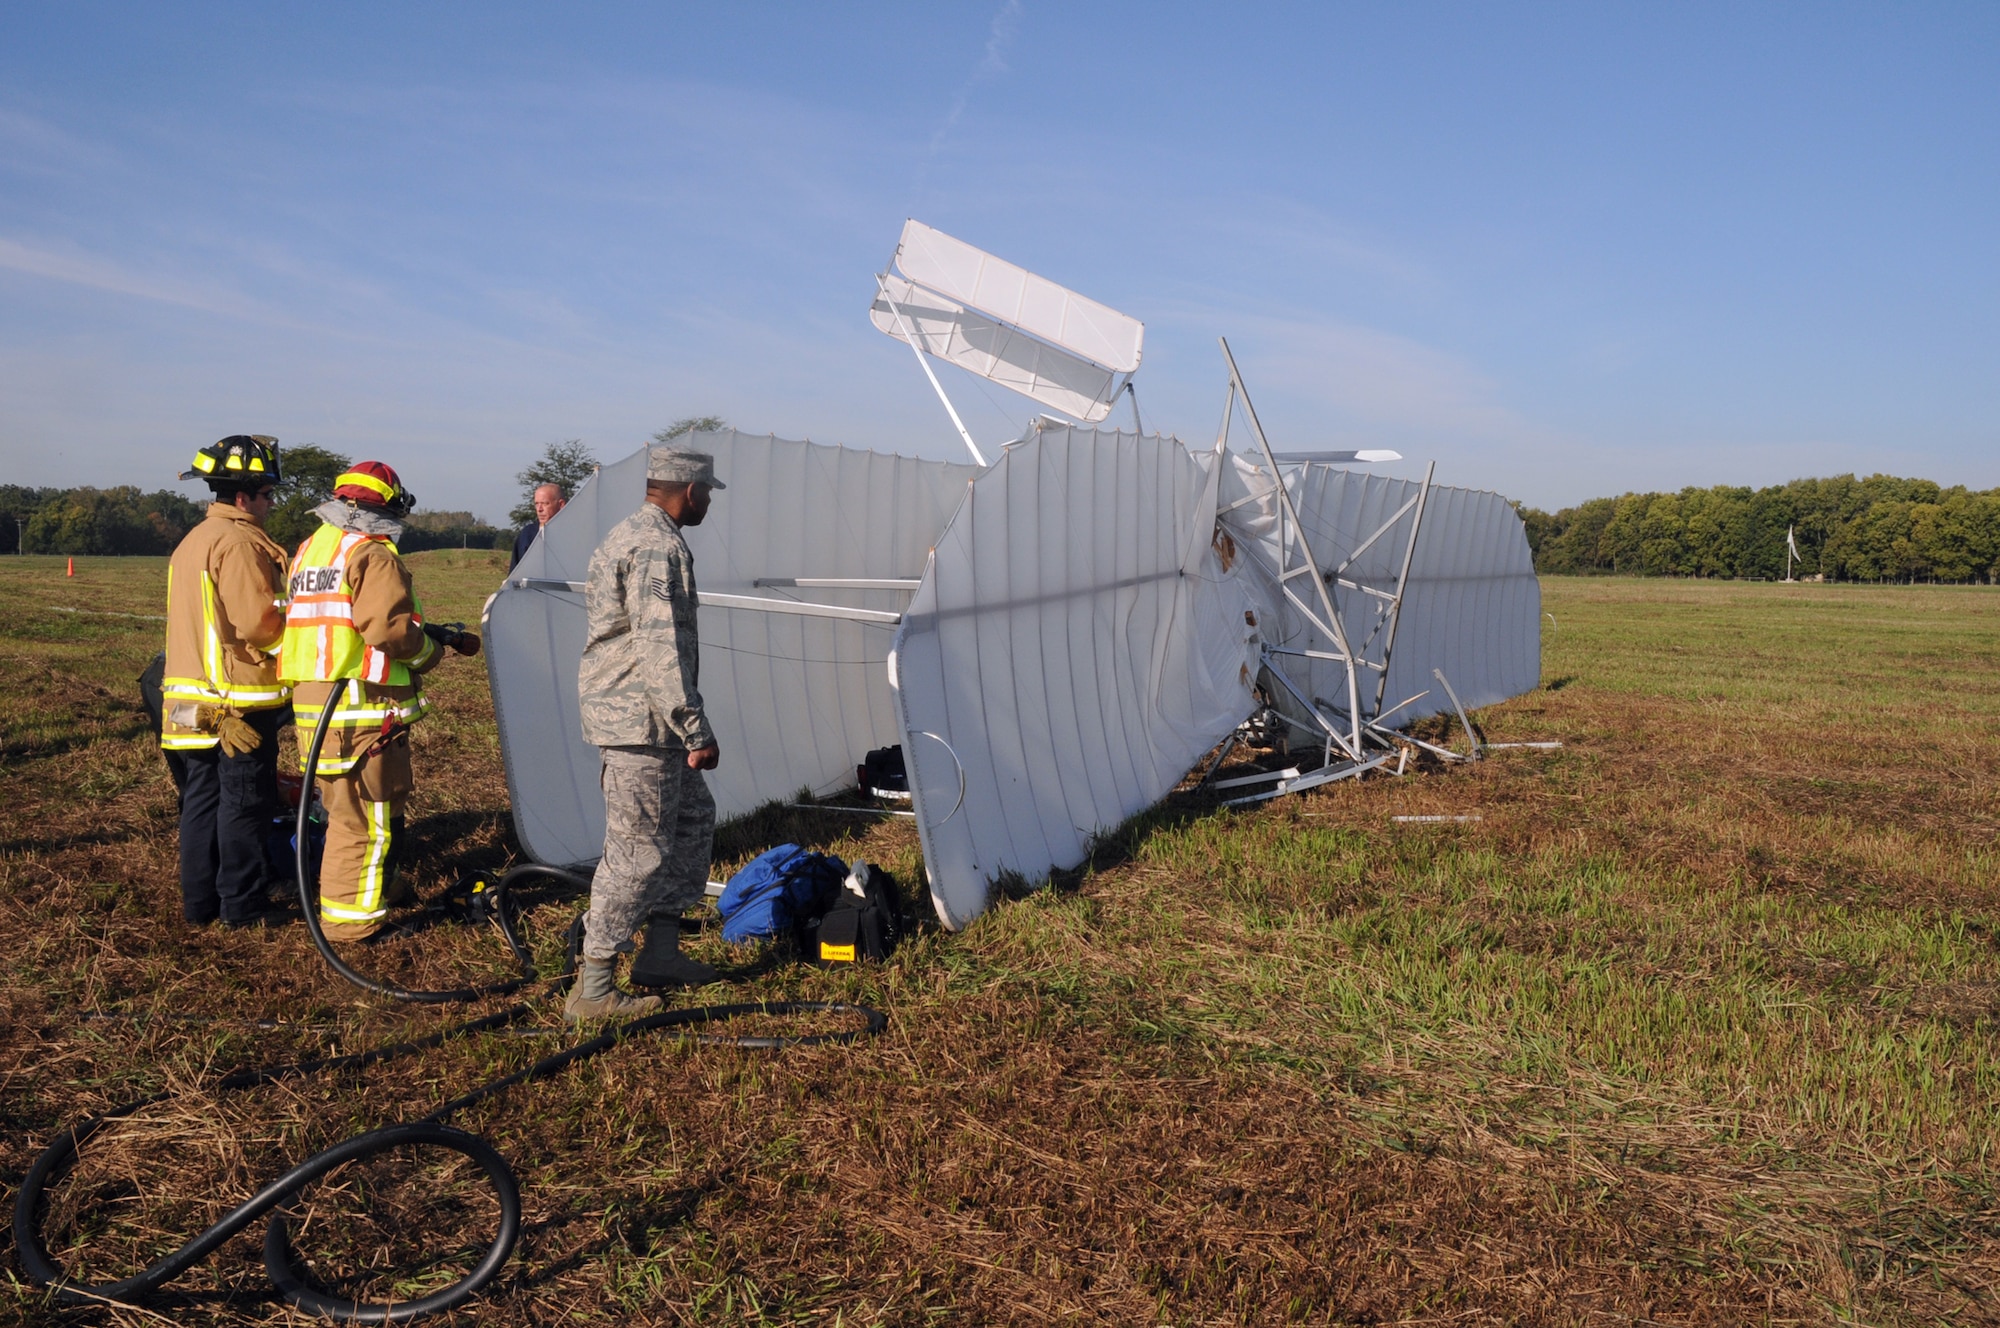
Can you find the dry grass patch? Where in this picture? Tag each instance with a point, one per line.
(1696, 1025)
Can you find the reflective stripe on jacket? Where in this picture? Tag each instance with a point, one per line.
(324, 644)
(225, 614)
(321, 643)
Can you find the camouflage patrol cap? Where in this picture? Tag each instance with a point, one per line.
(674, 465)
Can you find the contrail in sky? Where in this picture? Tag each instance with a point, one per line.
(993, 64)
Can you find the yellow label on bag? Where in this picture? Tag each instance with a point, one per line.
(836, 953)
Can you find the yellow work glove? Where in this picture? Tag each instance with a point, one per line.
(236, 734)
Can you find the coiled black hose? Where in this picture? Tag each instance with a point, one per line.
(309, 904)
(429, 1132)
(59, 1156)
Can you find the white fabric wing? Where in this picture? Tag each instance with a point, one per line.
(1002, 322)
(1056, 314)
(1075, 647)
(795, 701)
(995, 350)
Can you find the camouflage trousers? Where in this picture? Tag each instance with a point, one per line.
(659, 826)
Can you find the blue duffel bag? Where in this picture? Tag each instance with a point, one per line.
(780, 892)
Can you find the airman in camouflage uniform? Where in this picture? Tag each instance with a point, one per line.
(641, 702)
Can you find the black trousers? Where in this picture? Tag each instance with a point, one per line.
(226, 810)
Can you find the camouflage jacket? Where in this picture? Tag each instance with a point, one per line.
(639, 681)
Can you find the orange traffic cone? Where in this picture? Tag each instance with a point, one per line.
(72, 568)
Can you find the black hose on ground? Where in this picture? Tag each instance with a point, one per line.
(431, 1132)
(280, 1264)
(309, 903)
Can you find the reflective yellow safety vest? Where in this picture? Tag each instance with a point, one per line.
(322, 645)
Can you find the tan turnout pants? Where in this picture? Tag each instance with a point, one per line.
(364, 819)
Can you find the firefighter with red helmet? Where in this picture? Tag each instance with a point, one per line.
(355, 639)
(221, 696)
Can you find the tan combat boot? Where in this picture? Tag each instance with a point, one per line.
(595, 995)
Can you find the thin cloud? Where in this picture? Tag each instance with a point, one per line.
(30, 143)
(387, 323)
(1280, 227)
(77, 269)
(993, 64)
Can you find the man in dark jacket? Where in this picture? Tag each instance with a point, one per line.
(548, 501)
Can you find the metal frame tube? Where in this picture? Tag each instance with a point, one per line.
(1403, 585)
(755, 602)
(840, 582)
(1444, 753)
(909, 335)
(1471, 734)
(761, 605)
(1287, 513)
(1312, 779)
(1384, 528)
(1354, 752)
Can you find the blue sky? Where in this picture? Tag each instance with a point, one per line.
(1563, 250)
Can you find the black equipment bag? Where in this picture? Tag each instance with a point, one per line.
(883, 769)
(864, 922)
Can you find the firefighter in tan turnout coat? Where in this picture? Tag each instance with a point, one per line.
(355, 639)
(222, 699)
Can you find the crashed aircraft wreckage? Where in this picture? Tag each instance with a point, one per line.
(1054, 639)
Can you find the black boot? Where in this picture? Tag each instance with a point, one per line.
(660, 962)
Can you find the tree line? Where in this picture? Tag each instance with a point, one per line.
(1875, 529)
(124, 520)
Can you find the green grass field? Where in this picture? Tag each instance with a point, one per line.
(1698, 1023)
